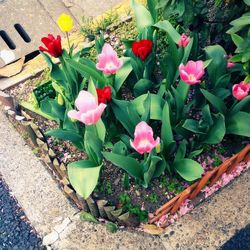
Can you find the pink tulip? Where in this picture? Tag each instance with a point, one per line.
(184, 41)
(144, 140)
(230, 65)
(241, 90)
(108, 61)
(192, 72)
(89, 112)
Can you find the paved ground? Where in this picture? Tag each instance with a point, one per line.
(15, 232)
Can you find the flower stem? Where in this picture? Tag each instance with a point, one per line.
(67, 35)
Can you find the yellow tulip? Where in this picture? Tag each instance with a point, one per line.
(65, 22)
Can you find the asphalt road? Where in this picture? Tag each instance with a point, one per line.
(240, 241)
(15, 230)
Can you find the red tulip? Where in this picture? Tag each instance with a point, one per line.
(104, 94)
(142, 48)
(53, 45)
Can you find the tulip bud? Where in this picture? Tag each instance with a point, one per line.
(60, 100)
(158, 148)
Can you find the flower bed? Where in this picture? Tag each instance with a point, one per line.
(144, 123)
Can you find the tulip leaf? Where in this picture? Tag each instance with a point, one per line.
(238, 124)
(93, 145)
(129, 164)
(240, 105)
(68, 135)
(217, 131)
(217, 67)
(143, 17)
(122, 73)
(101, 130)
(52, 108)
(188, 169)
(215, 101)
(148, 175)
(155, 106)
(193, 126)
(83, 176)
(86, 69)
(166, 129)
(34, 108)
(142, 87)
(167, 27)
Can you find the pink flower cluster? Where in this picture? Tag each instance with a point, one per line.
(225, 179)
(187, 206)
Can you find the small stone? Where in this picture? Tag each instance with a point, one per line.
(59, 228)
(50, 238)
(11, 112)
(19, 118)
(116, 182)
(137, 193)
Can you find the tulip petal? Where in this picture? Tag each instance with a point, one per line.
(85, 101)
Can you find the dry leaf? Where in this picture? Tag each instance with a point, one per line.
(152, 229)
(12, 69)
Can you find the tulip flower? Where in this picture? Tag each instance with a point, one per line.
(142, 48)
(89, 112)
(184, 41)
(65, 22)
(108, 61)
(53, 45)
(143, 138)
(104, 94)
(192, 72)
(240, 90)
(230, 65)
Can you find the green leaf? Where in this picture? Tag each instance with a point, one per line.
(84, 216)
(142, 87)
(120, 148)
(83, 176)
(63, 134)
(101, 130)
(181, 152)
(167, 27)
(155, 107)
(36, 109)
(237, 39)
(166, 129)
(239, 106)
(84, 68)
(127, 163)
(188, 169)
(193, 126)
(217, 131)
(126, 114)
(52, 108)
(122, 73)
(111, 227)
(215, 101)
(152, 8)
(247, 2)
(142, 16)
(148, 175)
(238, 124)
(93, 144)
(217, 67)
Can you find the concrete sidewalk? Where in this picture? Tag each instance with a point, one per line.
(209, 226)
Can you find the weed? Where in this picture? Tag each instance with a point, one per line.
(153, 198)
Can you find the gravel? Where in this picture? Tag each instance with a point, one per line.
(15, 231)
